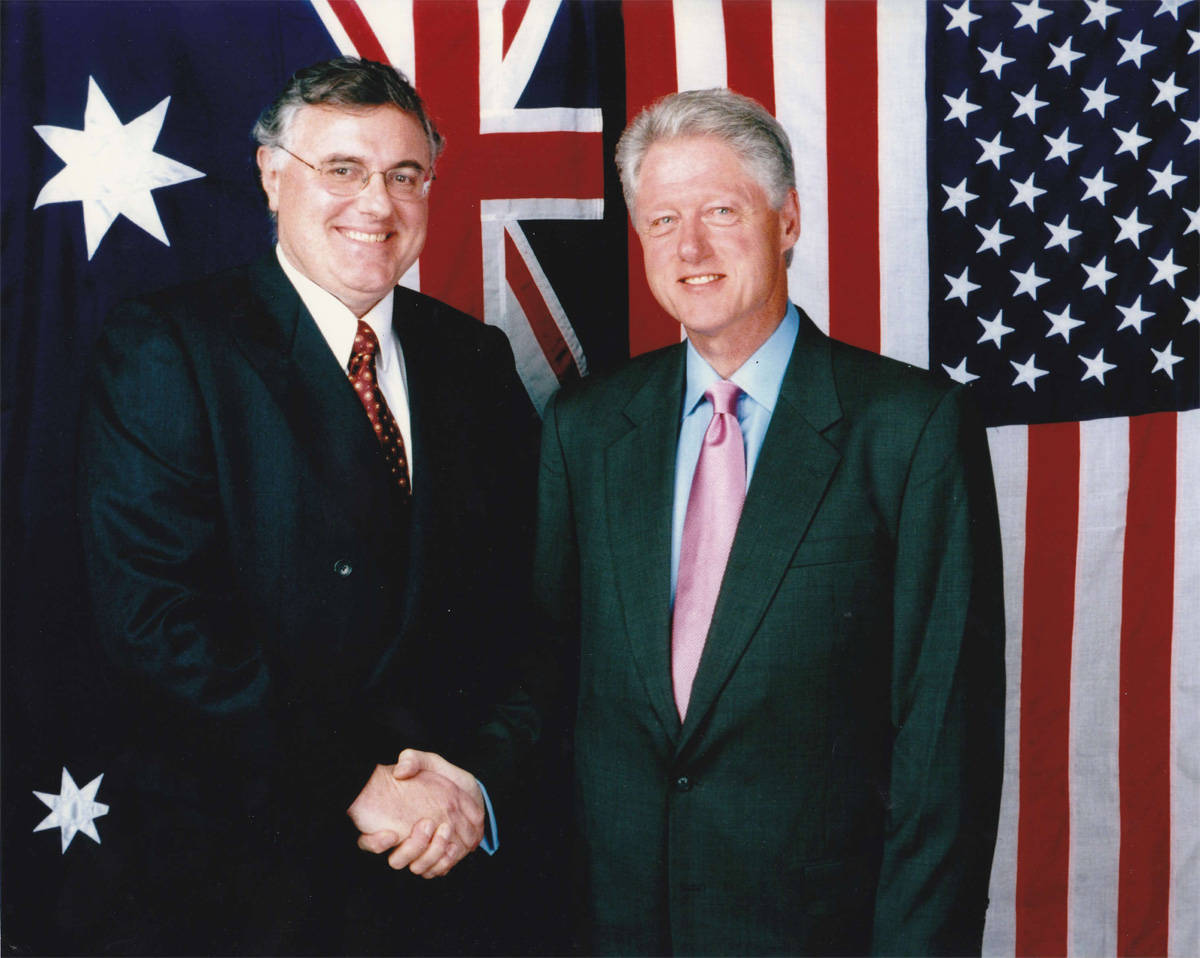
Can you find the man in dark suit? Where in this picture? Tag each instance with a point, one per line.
(779, 557)
(306, 497)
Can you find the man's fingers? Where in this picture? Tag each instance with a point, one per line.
(377, 842)
(412, 847)
(436, 851)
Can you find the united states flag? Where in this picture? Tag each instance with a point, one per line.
(1005, 193)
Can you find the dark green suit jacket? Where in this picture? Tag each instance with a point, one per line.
(835, 786)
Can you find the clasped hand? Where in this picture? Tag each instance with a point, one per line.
(427, 812)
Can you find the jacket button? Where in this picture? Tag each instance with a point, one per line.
(343, 568)
(683, 783)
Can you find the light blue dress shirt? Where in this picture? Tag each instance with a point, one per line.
(760, 378)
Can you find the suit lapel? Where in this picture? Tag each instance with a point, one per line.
(639, 484)
(793, 471)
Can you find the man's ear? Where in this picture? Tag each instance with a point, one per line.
(269, 176)
(789, 220)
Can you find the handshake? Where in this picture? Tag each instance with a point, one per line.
(427, 813)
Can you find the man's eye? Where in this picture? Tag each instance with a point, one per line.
(402, 177)
(341, 172)
(660, 222)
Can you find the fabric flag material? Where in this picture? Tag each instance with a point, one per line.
(1004, 192)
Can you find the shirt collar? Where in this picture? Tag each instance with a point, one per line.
(760, 377)
(337, 322)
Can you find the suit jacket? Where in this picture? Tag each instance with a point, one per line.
(278, 618)
(835, 786)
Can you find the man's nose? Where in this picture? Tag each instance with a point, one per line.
(693, 240)
(374, 196)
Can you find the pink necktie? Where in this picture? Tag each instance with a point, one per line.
(713, 509)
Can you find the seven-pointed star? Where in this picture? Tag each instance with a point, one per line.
(1097, 186)
(1028, 282)
(1098, 275)
(1062, 323)
(1134, 315)
(1098, 98)
(1165, 269)
(1096, 368)
(1165, 360)
(1027, 192)
(960, 107)
(1131, 228)
(1029, 104)
(957, 197)
(960, 373)
(73, 809)
(1064, 56)
(1134, 50)
(992, 150)
(1027, 372)
(1062, 234)
(1167, 91)
(961, 18)
(112, 168)
(993, 239)
(1131, 141)
(1031, 15)
(994, 330)
(1165, 179)
(995, 60)
(960, 286)
(1098, 12)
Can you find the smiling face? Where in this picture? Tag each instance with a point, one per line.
(713, 246)
(355, 247)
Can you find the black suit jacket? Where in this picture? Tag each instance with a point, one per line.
(279, 618)
(835, 786)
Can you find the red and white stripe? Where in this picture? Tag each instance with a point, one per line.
(1099, 847)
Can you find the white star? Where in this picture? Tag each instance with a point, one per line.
(1097, 186)
(1027, 372)
(1096, 368)
(73, 809)
(1029, 104)
(992, 150)
(960, 286)
(1171, 7)
(111, 168)
(958, 197)
(1026, 192)
(1098, 275)
(995, 60)
(1031, 14)
(1193, 221)
(1165, 360)
(1165, 179)
(960, 107)
(1027, 282)
(1195, 35)
(959, 373)
(1134, 50)
(1062, 323)
(993, 239)
(1060, 146)
(1099, 98)
(1193, 313)
(1168, 92)
(1099, 12)
(1131, 141)
(1062, 234)
(1193, 130)
(1131, 228)
(1064, 56)
(961, 18)
(994, 330)
(1134, 316)
(1165, 269)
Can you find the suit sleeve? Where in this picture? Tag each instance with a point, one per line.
(154, 542)
(947, 706)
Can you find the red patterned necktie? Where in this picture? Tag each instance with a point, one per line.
(713, 509)
(362, 377)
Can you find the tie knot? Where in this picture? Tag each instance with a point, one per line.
(724, 396)
(366, 344)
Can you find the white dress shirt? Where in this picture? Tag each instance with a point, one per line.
(338, 325)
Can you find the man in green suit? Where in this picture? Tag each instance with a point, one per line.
(806, 758)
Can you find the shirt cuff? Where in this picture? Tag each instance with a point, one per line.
(491, 834)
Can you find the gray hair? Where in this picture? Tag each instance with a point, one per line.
(756, 136)
(345, 82)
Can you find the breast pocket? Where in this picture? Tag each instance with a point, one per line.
(827, 550)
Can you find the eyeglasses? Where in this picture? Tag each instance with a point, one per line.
(349, 178)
